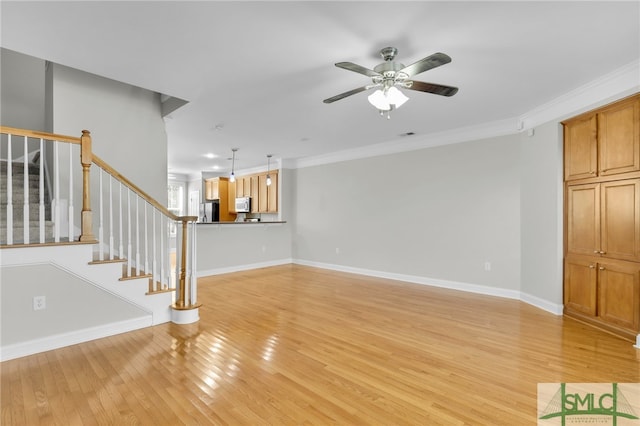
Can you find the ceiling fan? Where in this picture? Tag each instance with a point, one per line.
(389, 75)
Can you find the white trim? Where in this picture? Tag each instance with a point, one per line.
(240, 268)
(185, 316)
(433, 282)
(451, 285)
(617, 84)
(543, 304)
(637, 345)
(56, 341)
(486, 130)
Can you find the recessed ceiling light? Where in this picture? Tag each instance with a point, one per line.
(210, 155)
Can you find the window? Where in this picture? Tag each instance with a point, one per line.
(175, 202)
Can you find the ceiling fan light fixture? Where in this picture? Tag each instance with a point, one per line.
(396, 97)
(379, 100)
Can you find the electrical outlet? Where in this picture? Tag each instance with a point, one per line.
(39, 303)
(337, 250)
(487, 266)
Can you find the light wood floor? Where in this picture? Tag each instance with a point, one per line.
(293, 345)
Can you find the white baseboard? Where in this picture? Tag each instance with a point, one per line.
(543, 304)
(452, 285)
(240, 268)
(56, 341)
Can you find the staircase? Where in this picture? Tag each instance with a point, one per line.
(17, 200)
(121, 250)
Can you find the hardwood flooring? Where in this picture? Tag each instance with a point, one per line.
(293, 345)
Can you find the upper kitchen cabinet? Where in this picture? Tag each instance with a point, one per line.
(268, 194)
(603, 142)
(580, 148)
(243, 186)
(264, 198)
(619, 138)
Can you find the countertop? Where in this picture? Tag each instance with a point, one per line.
(265, 222)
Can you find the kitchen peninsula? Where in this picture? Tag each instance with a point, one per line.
(238, 241)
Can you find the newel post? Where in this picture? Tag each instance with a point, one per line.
(186, 309)
(182, 297)
(86, 233)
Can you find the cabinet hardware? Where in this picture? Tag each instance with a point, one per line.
(592, 266)
(601, 268)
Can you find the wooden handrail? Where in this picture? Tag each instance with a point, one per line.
(39, 135)
(149, 199)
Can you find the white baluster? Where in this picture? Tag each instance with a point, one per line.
(56, 190)
(71, 213)
(111, 247)
(25, 192)
(129, 249)
(41, 214)
(154, 272)
(162, 254)
(137, 237)
(100, 218)
(9, 193)
(120, 243)
(146, 241)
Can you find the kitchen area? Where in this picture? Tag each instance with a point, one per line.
(241, 222)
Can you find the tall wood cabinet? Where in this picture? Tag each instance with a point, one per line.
(219, 188)
(602, 217)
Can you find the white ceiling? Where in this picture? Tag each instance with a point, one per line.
(260, 70)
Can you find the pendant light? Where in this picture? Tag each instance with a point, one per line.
(268, 169)
(232, 177)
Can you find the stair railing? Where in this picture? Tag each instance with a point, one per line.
(143, 234)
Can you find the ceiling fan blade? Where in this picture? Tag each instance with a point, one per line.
(357, 68)
(425, 64)
(437, 89)
(345, 94)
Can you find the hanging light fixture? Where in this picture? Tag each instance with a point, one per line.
(387, 99)
(268, 169)
(232, 177)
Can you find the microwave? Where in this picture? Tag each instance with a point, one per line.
(243, 204)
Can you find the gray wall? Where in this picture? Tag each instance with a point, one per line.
(22, 91)
(541, 212)
(438, 213)
(125, 123)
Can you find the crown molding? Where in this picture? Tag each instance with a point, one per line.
(463, 134)
(620, 83)
(617, 84)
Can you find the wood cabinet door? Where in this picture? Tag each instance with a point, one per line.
(580, 148)
(211, 191)
(263, 199)
(580, 278)
(239, 187)
(272, 194)
(619, 293)
(619, 138)
(620, 219)
(583, 219)
(255, 194)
